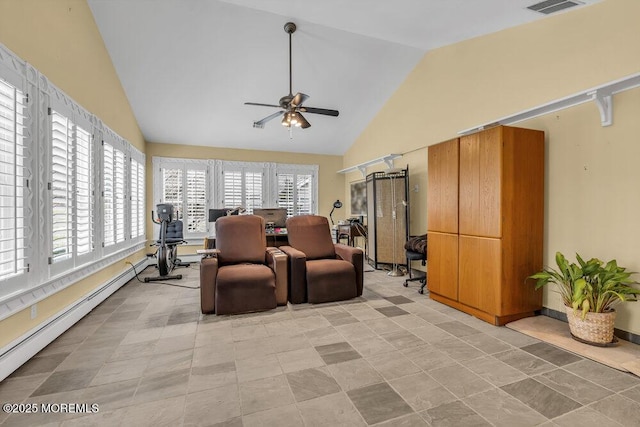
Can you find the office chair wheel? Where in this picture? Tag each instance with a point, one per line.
(405, 284)
(421, 291)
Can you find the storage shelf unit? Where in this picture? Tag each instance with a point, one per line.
(485, 222)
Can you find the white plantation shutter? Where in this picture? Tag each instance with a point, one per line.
(196, 201)
(253, 191)
(61, 187)
(119, 194)
(141, 207)
(12, 182)
(242, 187)
(173, 189)
(84, 192)
(304, 187)
(186, 187)
(137, 199)
(114, 195)
(71, 191)
(286, 192)
(232, 195)
(296, 192)
(108, 197)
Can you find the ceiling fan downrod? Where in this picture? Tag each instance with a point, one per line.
(290, 28)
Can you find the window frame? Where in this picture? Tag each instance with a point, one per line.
(161, 163)
(12, 283)
(76, 118)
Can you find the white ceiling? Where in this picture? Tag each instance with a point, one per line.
(188, 66)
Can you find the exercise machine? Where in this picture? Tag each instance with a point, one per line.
(170, 237)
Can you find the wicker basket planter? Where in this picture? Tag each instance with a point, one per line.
(596, 328)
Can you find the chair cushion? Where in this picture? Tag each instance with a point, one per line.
(242, 288)
(417, 244)
(241, 239)
(311, 235)
(330, 280)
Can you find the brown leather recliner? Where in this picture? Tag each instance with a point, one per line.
(319, 270)
(244, 275)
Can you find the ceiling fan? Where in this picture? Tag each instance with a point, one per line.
(291, 105)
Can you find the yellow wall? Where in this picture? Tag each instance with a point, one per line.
(591, 199)
(61, 40)
(330, 184)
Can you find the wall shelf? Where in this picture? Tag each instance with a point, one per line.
(362, 167)
(602, 95)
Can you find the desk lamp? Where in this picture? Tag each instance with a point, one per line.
(336, 205)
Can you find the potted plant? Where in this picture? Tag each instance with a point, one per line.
(590, 290)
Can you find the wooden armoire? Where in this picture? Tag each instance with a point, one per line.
(485, 222)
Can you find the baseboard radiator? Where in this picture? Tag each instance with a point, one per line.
(16, 353)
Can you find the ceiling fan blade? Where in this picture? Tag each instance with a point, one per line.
(260, 123)
(298, 99)
(303, 122)
(323, 111)
(261, 105)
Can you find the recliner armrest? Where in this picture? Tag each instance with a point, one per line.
(297, 274)
(208, 274)
(277, 261)
(356, 257)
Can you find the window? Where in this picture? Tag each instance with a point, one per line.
(194, 186)
(113, 181)
(242, 186)
(12, 182)
(185, 186)
(137, 199)
(71, 190)
(196, 201)
(296, 192)
(51, 215)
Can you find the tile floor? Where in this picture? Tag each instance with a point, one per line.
(147, 356)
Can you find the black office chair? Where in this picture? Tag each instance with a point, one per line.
(416, 250)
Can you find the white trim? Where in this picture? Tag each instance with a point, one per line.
(13, 303)
(362, 167)
(23, 348)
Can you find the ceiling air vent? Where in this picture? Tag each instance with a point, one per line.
(550, 6)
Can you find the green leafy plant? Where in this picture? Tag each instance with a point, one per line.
(589, 286)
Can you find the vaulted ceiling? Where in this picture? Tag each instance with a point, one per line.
(188, 66)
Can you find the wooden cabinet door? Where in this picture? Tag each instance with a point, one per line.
(442, 264)
(442, 193)
(480, 183)
(480, 279)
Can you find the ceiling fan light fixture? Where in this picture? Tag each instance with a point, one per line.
(295, 119)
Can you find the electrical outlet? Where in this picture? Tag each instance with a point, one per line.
(34, 311)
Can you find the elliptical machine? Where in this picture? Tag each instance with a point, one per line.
(168, 240)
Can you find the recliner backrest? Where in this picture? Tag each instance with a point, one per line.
(241, 239)
(311, 234)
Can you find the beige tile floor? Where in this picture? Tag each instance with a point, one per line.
(393, 357)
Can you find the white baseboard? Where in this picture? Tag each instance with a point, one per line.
(17, 352)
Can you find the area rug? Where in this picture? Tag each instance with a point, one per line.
(625, 356)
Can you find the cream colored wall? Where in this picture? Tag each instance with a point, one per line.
(330, 183)
(61, 39)
(592, 210)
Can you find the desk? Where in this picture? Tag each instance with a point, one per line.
(350, 231)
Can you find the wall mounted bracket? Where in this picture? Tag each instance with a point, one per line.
(603, 100)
